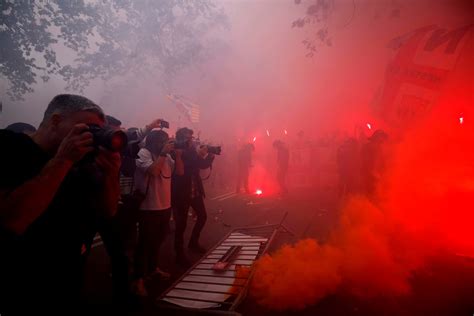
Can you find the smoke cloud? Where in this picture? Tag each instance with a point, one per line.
(424, 206)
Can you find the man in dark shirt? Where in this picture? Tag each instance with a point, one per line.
(283, 158)
(50, 201)
(187, 190)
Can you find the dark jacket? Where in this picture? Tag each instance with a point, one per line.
(181, 185)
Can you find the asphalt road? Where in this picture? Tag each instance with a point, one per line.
(446, 287)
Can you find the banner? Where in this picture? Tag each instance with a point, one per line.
(415, 77)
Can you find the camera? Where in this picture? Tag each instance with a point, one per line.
(216, 150)
(164, 124)
(112, 139)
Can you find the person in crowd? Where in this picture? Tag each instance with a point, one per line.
(21, 127)
(127, 213)
(373, 161)
(244, 165)
(111, 233)
(283, 158)
(153, 178)
(188, 190)
(53, 189)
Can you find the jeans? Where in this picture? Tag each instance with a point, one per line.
(153, 226)
(180, 211)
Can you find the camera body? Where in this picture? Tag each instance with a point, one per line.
(164, 124)
(112, 139)
(216, 150)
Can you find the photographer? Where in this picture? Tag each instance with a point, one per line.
(153, 179)
(50, 201)
(188, 190)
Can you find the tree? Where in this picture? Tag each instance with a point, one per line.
(103, 39)
(318, 13)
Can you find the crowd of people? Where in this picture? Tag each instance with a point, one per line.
(71, 179)
(81, 174)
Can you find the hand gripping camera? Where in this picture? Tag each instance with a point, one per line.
(112, 139)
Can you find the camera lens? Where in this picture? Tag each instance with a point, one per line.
(118, 141)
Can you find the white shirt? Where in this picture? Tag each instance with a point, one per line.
(159, 191)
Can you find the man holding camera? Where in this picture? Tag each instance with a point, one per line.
(54, 187)
(188, 190)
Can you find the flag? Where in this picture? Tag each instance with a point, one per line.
(189, 109)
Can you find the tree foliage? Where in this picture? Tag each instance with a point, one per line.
(84, 40)
(318, 13)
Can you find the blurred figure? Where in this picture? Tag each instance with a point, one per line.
(153, 178)
(50, 201)
(283, 157)
(188, 190)
(244, 165)
(20, 127)
(374, 158)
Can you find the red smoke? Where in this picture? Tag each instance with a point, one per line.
(288, 279)
(424, 205)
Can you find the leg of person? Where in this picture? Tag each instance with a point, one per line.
(239, 180)
(180, 215)
(281, 181)
(140, 258)
(162, 229)
(110, 233)
(246, 180)
(197, 204)
(150, 237)
(128, 219)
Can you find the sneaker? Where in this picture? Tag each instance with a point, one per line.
(197, 248)
(162, 275)
(139, 288)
